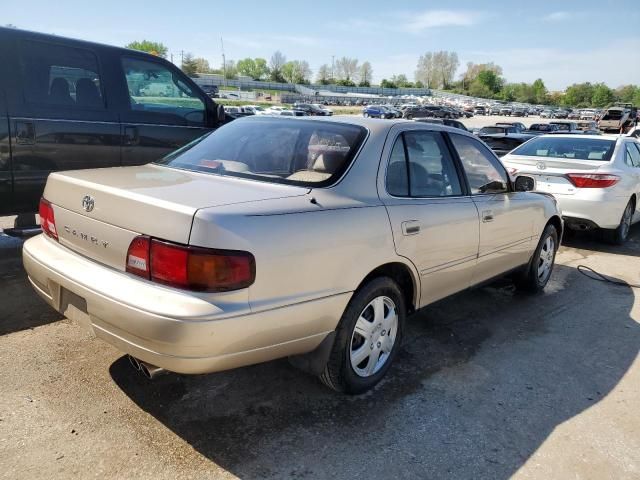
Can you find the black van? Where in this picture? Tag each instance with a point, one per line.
(68, 104)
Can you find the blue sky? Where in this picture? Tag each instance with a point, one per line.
(560, 41)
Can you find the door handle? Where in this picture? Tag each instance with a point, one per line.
(410, 227)
(487, 216)
(131, 136)
(25, 133)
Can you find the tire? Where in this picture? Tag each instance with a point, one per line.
(365, 115)
(534, 279)
(341, 372)
(618, 236)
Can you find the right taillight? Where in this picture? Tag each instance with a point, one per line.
(47, 219)
(593, 180)
(190, 268)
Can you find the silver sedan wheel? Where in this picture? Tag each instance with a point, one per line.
(545, 259)
(374, 336)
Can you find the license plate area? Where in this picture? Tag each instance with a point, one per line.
(74, 307)
(554, 184)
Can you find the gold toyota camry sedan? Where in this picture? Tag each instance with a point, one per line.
(280, 237)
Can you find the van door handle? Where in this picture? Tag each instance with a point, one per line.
(25, 133)
(131, 136)
(487, 216)
(410, 227)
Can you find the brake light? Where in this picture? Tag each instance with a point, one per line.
(593, 180)
(190, 268)
(47, 219)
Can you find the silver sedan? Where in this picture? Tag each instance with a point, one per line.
(274, 237)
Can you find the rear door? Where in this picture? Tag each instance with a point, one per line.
(162, 109)
(632, 163)
(434, 224)
(60, 120)
(506, 218)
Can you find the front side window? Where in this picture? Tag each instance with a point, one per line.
(484, 172)
(61, 76)
(154, 88)
(421, 166)
(290, 151)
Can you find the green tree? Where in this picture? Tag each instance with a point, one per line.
(256, 68)
(625, 93)
(189, 65)
(387, 84)
(154, 48)
(419, 84)
(490, 79)
(579, 95)
(602, 96)
(539, 91)
(636, 98)
(202, 65)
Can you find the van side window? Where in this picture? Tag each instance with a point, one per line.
(153, 88)
(58, 75)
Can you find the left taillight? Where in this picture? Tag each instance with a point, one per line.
(593, 180)
(190, 268)
(47, 219)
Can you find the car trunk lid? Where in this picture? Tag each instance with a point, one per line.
(550, 173)
(98, 212)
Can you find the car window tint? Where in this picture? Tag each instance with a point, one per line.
(397, 176)
(632, 157)
(153, 88)
(484, 172)
(60, 76)
(431, 169)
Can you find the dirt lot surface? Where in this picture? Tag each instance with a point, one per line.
(489, 384)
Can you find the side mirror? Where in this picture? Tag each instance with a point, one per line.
(525, 184)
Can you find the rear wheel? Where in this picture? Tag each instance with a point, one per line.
(537, 275)
(618, 236)
(367, 338)
(365, 114)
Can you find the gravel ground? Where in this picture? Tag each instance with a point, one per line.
(489, 384)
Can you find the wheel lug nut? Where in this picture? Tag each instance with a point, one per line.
(384, 332)
(372, 346)
(379, 344)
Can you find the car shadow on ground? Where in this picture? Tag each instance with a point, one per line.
(594, 241)
(21, 307)
(482, 379)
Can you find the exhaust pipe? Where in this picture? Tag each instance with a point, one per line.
(148, 370)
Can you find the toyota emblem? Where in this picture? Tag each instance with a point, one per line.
(88, 203)
(541, 165)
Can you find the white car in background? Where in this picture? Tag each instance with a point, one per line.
(595, 178)
(275, 110)
(255, 109)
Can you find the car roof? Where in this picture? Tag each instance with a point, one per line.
(584, 137)
(374, 125)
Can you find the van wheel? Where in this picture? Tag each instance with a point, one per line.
(618, 236)
(537, 275)
(367, 338)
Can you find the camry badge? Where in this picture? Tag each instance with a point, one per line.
(88, 203)
(541, 165)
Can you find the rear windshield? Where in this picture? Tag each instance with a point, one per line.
(493, 130)
(541, 127)
(613, 115)
(278, 150)
(575, 148)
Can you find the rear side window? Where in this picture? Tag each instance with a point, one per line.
(632, 156)
(292, 151)
(484, 172)
(421, 166)
(60, 76)
(155, 89)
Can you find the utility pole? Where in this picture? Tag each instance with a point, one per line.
(181, 58)
(224, 64)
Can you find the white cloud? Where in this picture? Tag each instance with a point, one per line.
(557, 17)
(420, 22)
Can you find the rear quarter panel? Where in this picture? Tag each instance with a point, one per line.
(303, 250)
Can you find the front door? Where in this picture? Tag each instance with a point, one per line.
(434, 224)
(506, 217)
(162, 114)
(63, 122)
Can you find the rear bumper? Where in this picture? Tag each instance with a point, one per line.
(173, 329)
(599, 211)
